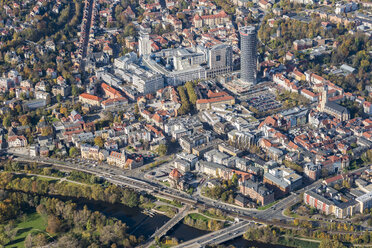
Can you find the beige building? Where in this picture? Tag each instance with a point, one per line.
(90, 99)
(205, 104)
(210, 20)
(117, 159)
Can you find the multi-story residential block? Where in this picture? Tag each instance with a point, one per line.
(282, 180)
(256, 191)
(63, 90)
(41, 95)
(17, 141)
(312, 171)
(329, 201)
(117, 158)
(189, 142)
(365, 201)
(144, 43)
(210, 20)
(302, 44)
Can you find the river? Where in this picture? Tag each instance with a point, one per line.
(241, 242)
(141, 224)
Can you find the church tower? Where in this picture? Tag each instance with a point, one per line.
(324, 98)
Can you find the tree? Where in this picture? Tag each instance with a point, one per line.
(73, 151)
(327, 243)
(185, 104)
(41, 209)
(6, 121)
(74, 90)
(296, 222)
(162, 149)
(47, 131)
(67, 241)
(136, 109)
(98, 141)
(40, 240)
(54, 224)
(15, 166)
(7, 233)
(191, 92)
(64, 111)
(234, 179)
(24, 119)
(28, 241)
(59, 98)
(370, 221)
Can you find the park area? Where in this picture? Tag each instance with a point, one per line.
(31, 223)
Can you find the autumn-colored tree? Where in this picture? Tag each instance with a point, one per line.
(24, 120)
(46, 131)
(98, 141)
(64, 111)
(54, 224)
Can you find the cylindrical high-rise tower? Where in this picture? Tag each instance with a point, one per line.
(248, 54)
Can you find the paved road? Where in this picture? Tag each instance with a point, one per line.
(167, 226)
(117, 176)
(219, 236)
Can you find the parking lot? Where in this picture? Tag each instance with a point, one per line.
(264, 102)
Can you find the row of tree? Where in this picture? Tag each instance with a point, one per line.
(188, 97)
(203, 224)
(185, 104)
(110, 193)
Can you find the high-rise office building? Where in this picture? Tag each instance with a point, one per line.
(219, 60)
(144, 43)
(248, 54)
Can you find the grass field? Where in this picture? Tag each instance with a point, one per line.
(174, 203)
(209, 214)
(34, 223)
(298, 243)
(267, 206)
(196, 216)
(164, 208)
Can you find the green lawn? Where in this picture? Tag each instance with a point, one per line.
(47, 179)
(34, 223)
(174, 203)
(196, 216)
(267, 206)
(147, 205)
(164, 208)
(209, 214)
(297, 243)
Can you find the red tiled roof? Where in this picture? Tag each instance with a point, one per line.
(111, 90)
(90, 97)
(333, 179)
(111, 101)
(212, 94)
(308, 92)
(175, 174)
(216, 99)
